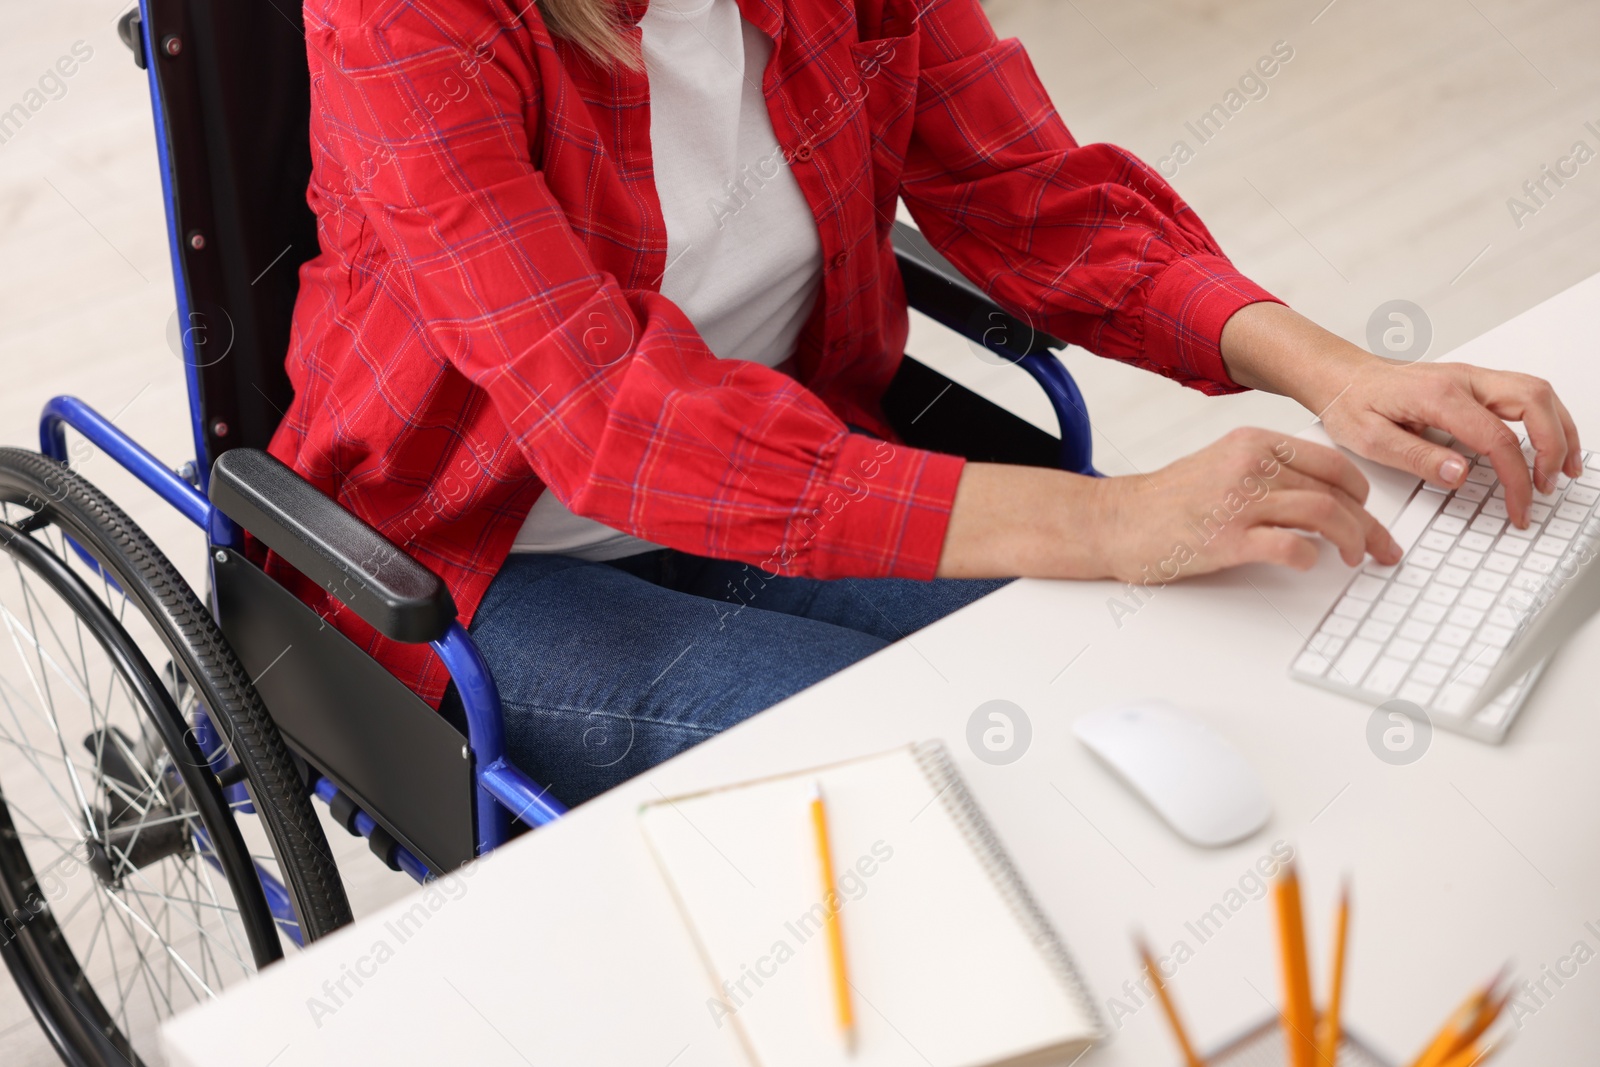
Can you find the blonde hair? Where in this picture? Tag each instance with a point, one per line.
(595, 26)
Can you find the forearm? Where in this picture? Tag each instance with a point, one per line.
(1276, 349)
(1009, 521)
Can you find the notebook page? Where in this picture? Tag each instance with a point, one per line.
(943, 971)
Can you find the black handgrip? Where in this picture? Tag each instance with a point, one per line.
(937, 289)
(393, 593)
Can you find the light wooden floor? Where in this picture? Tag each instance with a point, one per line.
(1377, 167)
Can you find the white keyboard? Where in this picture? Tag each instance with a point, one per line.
(1429, 629)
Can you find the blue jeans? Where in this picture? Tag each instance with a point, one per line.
(607, 669)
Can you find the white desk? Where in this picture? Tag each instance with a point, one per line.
(564, 948)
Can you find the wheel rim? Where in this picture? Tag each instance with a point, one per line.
(116, 894)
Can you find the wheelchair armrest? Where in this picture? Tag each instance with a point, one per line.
(390, 591)
(935, 288)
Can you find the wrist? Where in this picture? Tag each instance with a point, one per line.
(1275, 349)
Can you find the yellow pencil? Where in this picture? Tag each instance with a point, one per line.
(1190, 1057)
(830, 900)
(1458, 1031)
(1298, 1015)
(1331, 1036)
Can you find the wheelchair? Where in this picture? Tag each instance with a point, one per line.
(161, 747)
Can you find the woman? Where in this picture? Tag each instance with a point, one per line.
(605, 307)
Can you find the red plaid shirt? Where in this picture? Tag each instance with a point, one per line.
(484, 319)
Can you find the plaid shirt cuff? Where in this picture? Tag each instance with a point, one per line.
(881, 513)
(1192, 300)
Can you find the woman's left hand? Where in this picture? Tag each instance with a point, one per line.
(1378, 409)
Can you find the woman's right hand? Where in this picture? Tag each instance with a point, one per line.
(1249, 497)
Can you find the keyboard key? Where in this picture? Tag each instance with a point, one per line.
(1512, 546)
(1437, 541)
(1500, 563)
(1489, 580)
(1443, 655)
(1476, 599)
(1417, 693)
(1495, 636)
(1456, 636)
(1429, 673)
(1449, 524)
(1389, 612)
(1496, 509)
(1440, 595)
(1358, 655)
(1474, 675)
(1482, 475)
(1453, 698)
(1455, 577)
(1400, 648)
(1464, 616)
(1413, 630)
(1545, 500)
(1327, 644)
(1499, 492)
(1561, 528)
(1481, 655)
(1414, 518)
(1572, 512)
(1365, 587)
(1351, 608)
(1506, 616)
(1538, 512)
(1486, 524)
(1386, 676)
(1429, 612)
(1425, 557)
(1404, 595)
(1590, 477)
(1379, 570)
(1462, 557)
(1476, 542)
(1310, 663)
(1552, 546)
(1579, 494)
(1413, 576)
(1539, 564)
(1461, 509)
(1339, 626)
(1379, 631)
(1530, 581)
(1472, 491)
(1533, 530)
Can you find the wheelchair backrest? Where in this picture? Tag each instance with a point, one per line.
(231, 93)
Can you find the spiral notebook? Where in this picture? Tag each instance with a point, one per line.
(951, 961)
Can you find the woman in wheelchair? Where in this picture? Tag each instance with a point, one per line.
(606, 311)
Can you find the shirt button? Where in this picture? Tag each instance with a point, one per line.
(838, 260)
(803, 153)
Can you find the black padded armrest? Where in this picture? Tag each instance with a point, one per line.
(393, 593)
(935, 288)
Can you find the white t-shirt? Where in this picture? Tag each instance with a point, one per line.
(743, 258)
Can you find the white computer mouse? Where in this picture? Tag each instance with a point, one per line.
(1194, 778)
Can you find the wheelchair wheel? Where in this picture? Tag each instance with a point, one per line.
(157, 843)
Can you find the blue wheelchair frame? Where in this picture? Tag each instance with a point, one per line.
(502, 791)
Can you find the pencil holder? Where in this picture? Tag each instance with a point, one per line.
(1263, 1046)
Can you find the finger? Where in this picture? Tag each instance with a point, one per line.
(1320, 513)
(1488, 435)
(1380, 544)
(1387, 443)
(1530, 401)
(1325, 464)
(1574, 465)
(1274, 544)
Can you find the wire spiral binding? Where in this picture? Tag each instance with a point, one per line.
(952, 791)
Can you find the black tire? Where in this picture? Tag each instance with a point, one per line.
(51, 515)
